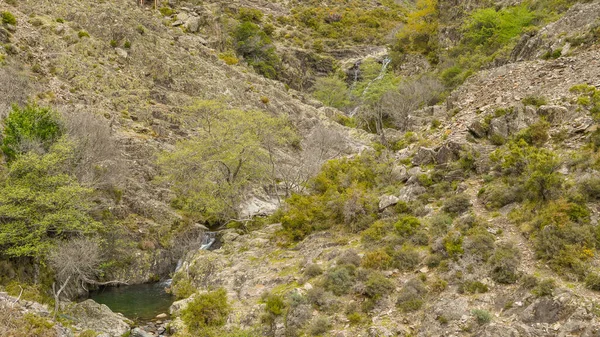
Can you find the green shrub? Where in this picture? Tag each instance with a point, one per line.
(592, 281)
(482, 316)
(349, 256)
(274, 304)
(544, 288)
(8, 18)
(250, 14)
(473, 287)
(411, 296)
(312, 270)
(479, 243)
(182, 288)
(407, 226)
(25, 127)
(405, 258)
(82, 34)
(453, 244)
(206, 311)
(536, 101)
(340, 279)
(504, 264)
(319, 326)
(457, 204)
(377, 259)
(378, 285)
(166, 11)
(331, 91)
(536, 134)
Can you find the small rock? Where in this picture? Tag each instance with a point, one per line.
(161, 316)
(122, 53)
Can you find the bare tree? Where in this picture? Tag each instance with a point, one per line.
(76, 265)
(98, 161)
(320, 145)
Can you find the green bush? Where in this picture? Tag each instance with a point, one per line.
(592, 281)
(8, 18)
(544, 288)
(473, 287)
(331, 91)
(340, 279)
(411, 296)
(504, 264)
(206, 311)
(536, 101)
(82, 34)
(405, 258)
(377, 259)
(26, 127)
(378, 285)
(482, 316)
(312, 270)
(319, 326)
(250, 14)
(349, 256)
(274, 304)
(457, 204)
(407, 225)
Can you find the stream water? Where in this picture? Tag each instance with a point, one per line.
(140, 302)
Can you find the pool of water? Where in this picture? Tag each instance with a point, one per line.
(140, 302)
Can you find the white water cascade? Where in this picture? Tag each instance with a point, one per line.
(386, 62)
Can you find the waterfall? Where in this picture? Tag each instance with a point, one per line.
(207, 241)
(386, 62)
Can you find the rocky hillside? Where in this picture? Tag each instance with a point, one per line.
(372, 168)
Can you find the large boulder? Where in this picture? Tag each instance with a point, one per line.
(554, 114)
(424, 156)
(517, 119)
(387, 200)
(90, 315)
(450, 151)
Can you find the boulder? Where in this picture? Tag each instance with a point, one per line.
(554, 114)
(424, 156)
(450, 151)
(192, 24)
(137, 332)
(177, 306)
(387, 200)
(411, 192)
(98, 317)
(122, 53)
(400, 173)
(476, 129)
(518, 119)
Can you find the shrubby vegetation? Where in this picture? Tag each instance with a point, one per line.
(206, 313)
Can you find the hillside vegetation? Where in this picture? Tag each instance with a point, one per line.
(372, 168)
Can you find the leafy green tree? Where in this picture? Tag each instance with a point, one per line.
(332, 91)
(27, 128)
(255, 45)
(419, 35)
(232, 151)
(40, 203)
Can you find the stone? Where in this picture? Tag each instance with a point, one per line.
(411, 192)
(554, 114)
(137, 332)
(229, 236)
(476, 128)
(424, 156)
(387, 200)
(450, 151)
(192, 24)
(161, 316)
(258, 206)
(399, 173)
(122, 53)
(177, 306)
(98, 317)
